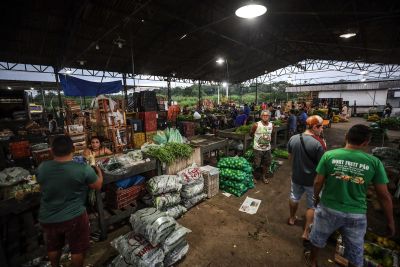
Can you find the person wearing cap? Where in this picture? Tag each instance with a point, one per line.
(262, 131)
(305, 151)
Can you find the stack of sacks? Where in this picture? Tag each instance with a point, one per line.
(235, 175)
(156, 240)
(193, 186)
(165, 191)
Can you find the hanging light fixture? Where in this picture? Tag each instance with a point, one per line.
(348, 35)
(251, 11)
(119, 42)
(97, 47)
(220, 61)
(8, 87)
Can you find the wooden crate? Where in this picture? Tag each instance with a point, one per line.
(138, 139)
(121, 198)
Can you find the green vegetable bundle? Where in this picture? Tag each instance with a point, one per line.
(232, 174)
(233, 191)
(245, 129)
(237, 163)
(249, 155)
(277, 123)
(234, 185)
(274, 166)
(170, 152)
(280, 153)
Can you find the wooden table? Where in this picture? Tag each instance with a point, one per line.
(208, 143)
(119, 215)
(230, 134)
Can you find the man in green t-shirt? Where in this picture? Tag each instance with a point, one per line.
(344, 175)
(62, 214)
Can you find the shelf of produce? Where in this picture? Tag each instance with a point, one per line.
(231, 134)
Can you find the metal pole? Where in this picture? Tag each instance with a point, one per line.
(256, 92)
(44, 101)
(373, 101)
(60, 104)
(125, 90)
(199, 95)
(218, 95)
(169, 91)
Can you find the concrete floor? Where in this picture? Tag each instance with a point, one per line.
(224, 236)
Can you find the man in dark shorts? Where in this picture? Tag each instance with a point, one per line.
(64, 185)
(262, 131)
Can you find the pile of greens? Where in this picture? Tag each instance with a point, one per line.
(245, 129)
(277, 122)
(280, 153)
(170, 152)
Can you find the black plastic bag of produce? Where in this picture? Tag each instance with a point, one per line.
(175, 238)
(191, 190)
(177, 254)
(164, 184)
(175, 211)
(190, 202)
(152, 224)
(190, 175)
(136, 250)
(164, 201)
(148, 200)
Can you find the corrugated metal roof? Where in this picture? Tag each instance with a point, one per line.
(382, 85)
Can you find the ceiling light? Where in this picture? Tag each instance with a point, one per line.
(142, 20)
(348, 35)
(81, 62)
(363, 72)
(32, 88)
(8, 87)
(363, 79)
(220, 61)
(97, 47)
(250, 11)
(183, 36)
(68, 72)
(173, 74)
(224, 84)
(119, 42)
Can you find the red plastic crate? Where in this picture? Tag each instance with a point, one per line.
(20, 149)
(149, 120)
(121, 198)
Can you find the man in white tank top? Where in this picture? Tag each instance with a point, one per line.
(262, 131)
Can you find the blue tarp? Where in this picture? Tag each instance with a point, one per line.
(77, 87)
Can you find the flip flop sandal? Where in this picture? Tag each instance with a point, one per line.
(294, 222)
(307, 257)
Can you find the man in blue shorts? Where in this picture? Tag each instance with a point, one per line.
(343, 175)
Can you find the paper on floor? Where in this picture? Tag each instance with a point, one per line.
(250, 205)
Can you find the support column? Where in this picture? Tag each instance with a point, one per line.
(125, 90)
(256, 92)
(169, 91)
(61, 106)
(200, 95)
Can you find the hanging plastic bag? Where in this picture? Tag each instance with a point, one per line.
(137, 251)
(152, 224)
